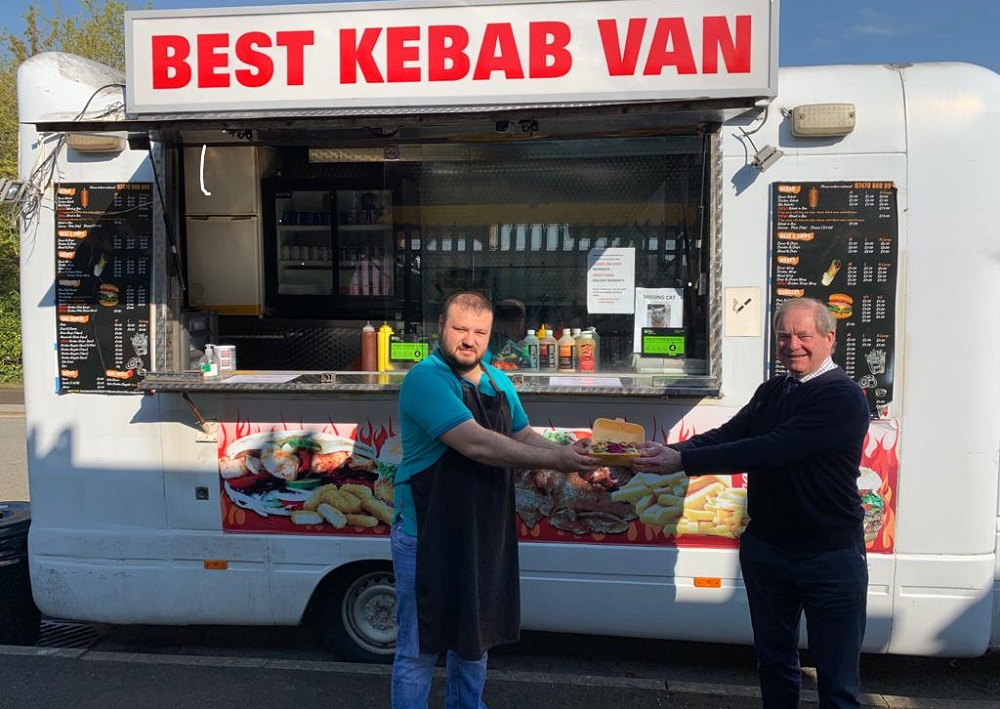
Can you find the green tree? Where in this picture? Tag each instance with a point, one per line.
(96, 32)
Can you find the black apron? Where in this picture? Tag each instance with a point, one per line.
(468, 585)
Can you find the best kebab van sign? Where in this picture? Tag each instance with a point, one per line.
(371, 55)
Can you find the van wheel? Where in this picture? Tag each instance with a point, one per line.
(359, 616)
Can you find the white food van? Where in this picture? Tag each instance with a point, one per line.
(270, 180)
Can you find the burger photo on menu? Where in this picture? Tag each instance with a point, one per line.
(841, 305)
(107, 295)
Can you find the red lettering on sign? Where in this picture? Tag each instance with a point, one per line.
(670, 45)
(400, 51)
(446, 57)
(548, 57)
(262, 67)
(355, 55)
(717, 38)
(670, 32)
(621, 63)
(498, 53)
(210, 59)
(169, 59)
(295, 44)
(172, 67)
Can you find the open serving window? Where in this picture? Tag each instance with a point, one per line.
(596, 235)
(593, 245)
(589, 233)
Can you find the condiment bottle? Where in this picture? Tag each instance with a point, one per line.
(597, 347)
(209, 363)
(585, 348)
(575, 332)
(369, 348)
(384, 340)
(566, 350)
(530, 344)
(547, 356)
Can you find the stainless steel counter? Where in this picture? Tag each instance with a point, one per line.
(606, 385)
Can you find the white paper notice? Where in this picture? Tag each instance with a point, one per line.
(611, 280)
(258, 379)
(742, 314)
(657, 307)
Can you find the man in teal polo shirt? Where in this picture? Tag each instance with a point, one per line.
(454, 542)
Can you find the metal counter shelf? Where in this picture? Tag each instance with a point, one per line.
(534, 383)
(303, 382)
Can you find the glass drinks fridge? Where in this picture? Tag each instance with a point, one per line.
(303, 234)
(365, 249)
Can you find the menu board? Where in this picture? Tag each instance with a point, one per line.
(103, 265)
(838, 242)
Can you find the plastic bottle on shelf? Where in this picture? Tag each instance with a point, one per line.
(575, 332)
(369, 348)
(530, 344)
(567, 347)
(547, 351)
(209, 363)
(384, 339)
(586, 360)
(597, 347)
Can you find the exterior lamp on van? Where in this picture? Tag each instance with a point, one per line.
(96, 142)
(822, 120)
(11, 191)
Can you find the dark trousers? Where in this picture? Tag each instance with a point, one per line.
(831, 588)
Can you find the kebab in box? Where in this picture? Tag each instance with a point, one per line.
(615, 441)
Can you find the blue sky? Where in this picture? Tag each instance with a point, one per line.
(811, 31)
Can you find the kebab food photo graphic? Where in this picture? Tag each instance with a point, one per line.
(614, 497)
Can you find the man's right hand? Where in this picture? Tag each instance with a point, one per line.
(573, 458)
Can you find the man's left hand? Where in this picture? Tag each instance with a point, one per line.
(657, 458)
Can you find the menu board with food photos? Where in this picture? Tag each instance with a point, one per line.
(838, 242)
(103, 265)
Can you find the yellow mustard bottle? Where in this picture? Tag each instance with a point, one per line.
(384, 338)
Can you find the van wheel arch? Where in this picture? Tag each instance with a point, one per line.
(356, 609)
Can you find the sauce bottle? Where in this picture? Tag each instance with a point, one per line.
(384, 340)
(575, 332)
(530, 343)
(585, 349)
(369, 348)
(547, 356)
(567, 346)
(597, 347)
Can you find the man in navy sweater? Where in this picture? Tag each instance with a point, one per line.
(799, 439)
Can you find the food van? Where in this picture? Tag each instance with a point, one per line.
(295, 184)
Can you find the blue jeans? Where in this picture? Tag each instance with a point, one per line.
(831, 588)
(412, 670)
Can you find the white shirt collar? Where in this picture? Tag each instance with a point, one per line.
(823, 369)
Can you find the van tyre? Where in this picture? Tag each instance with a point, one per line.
(359, 614)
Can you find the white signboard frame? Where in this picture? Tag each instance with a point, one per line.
(444, 55)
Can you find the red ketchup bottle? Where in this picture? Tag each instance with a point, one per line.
(369, 349)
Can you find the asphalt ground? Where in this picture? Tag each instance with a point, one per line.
(84, 679)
